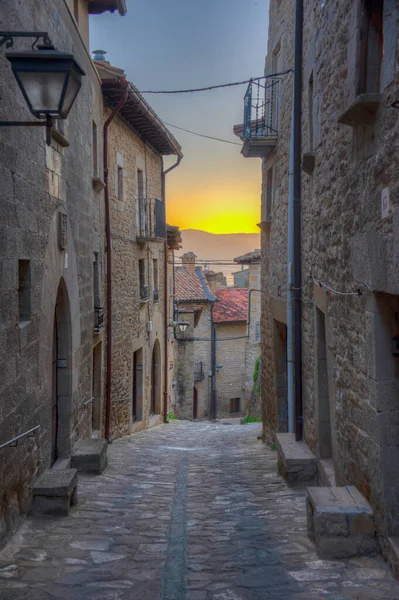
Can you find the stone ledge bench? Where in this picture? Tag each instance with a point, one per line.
(296, 462)
(90, 456)
(340, 522)
(55, 492)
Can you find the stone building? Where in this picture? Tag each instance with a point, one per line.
(253, 342)
(350, 246)
(241, 278)
(192, 349)
(52, 263)
(268, 138)
(230, 315)
(137, 141)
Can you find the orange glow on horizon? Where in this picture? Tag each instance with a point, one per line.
(225, 210)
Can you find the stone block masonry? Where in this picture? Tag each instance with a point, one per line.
(46, 341)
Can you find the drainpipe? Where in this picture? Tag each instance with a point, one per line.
(297, 219)
(165, 373)
(290, 262)
(213, 367)
(109, 262)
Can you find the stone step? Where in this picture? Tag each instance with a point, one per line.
(55, 492)
(340, 522)
(90, 456)
(296, 462)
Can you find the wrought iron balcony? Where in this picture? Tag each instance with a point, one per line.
(98, 320)
(259, 131)
(199, 375)
(151, 220)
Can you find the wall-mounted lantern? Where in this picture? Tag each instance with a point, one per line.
(182, 325)
(49, 79)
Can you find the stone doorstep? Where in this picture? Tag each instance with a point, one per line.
(340, 522)
(54, 492)
(393, 555)
(56, 483)
(90, 455)
(297, 463)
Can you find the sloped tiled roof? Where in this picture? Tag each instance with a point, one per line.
(232, 305)
(250, 257)
(191, 287)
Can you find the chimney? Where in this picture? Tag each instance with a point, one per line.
(211, 281)
(188, 260)
(100, 55)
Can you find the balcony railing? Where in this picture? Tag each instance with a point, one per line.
(156, 295)
(261, 117)
(98, 320)
(199, 375)
(151, 220)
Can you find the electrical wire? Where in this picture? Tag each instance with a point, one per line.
(215, 87)
(209, 137)
(358, 292)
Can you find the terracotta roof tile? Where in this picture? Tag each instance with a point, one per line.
(232, 305)
(250, 257)
(191, 287)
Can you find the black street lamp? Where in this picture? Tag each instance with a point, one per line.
(48, 79)
(183, 325)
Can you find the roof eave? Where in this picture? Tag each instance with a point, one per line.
(167, 141)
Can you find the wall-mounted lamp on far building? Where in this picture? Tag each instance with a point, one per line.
(49, 79)
(218, 368)
(182, 325)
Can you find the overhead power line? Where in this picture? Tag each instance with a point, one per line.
(209, 137)
(215, 87)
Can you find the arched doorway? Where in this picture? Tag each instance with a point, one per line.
(61, 404)
(156, 379)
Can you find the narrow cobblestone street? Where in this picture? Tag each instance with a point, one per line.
(185, 511)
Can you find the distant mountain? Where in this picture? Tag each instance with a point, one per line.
(220, 246)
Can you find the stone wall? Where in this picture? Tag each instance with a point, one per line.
(131, 316)
(231, 356)
(350, 374)
(253, 343)
(202, 353)
(186, 355)
(346, 242)
(34, 191)
(280, 55)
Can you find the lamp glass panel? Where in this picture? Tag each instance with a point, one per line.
(73, 87)
(43, 90)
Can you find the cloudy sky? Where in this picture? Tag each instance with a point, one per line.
(175, 44)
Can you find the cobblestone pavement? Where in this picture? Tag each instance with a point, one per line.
(185, 511)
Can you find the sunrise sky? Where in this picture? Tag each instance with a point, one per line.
(174, 44)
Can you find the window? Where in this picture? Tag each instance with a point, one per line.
(24, 291)
(95, 149)
(143, 280)
(234, 405)
(310, 112)
(155, 279)
(96, 281)
(140, 183)
(120, 184)
(257, 331)
(371, 47)
(268, 201)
